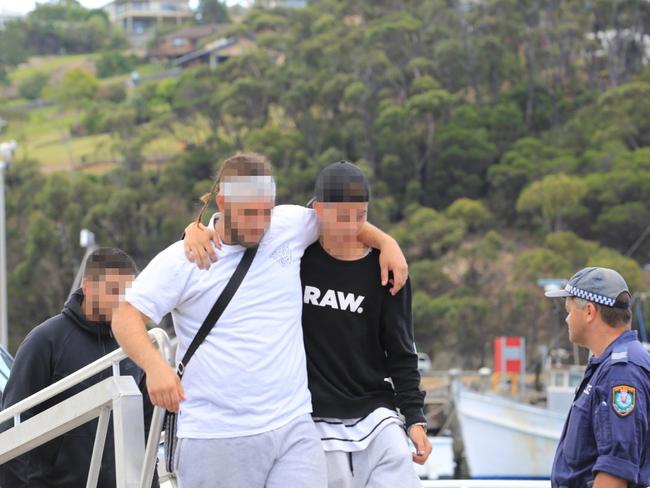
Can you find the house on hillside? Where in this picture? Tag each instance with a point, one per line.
(183, 42)
(281, 3)
(140, 18)
(217, 52)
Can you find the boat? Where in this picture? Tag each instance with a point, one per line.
(440, 464)
(506, 439)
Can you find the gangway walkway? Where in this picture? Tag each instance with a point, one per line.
(134, 464)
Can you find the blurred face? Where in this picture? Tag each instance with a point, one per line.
(105, 293)
(341, 220)
(246, 222)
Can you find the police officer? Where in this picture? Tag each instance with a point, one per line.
(605, 438)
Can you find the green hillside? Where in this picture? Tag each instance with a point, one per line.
(506, 141)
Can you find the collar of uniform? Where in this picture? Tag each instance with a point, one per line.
(625, 337)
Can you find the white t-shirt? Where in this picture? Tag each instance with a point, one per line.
(249, 375)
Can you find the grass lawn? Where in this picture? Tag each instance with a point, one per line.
(56, 154)
(143, 70)
(51, 65)
(43, 135)
(56, 66)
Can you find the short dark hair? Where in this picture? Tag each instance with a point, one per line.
(616, 317)
(612, 316)
(108, 258)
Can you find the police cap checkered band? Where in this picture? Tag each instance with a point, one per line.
(597, 285)
(592, 297)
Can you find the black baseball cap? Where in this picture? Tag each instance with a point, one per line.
(341, 182)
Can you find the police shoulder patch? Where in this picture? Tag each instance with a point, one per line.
(623, 399)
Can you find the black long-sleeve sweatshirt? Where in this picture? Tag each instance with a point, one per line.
(53, 350)
(356, 335)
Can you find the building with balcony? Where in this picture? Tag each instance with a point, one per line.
(140, 18)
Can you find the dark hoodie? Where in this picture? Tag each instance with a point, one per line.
(53, 350)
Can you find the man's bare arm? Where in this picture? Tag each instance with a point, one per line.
(163, 384)
(391, 257)
(198, 249)
(606, 480)
(197, 242)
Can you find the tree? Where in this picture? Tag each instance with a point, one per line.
(78, 87)
(527, 160)
(114, 63)
(620, 226)
(13, 50)
(571, 247)
(554, 197)
(474, 213)
(212, 12)
(32, 87)
(624, 114)
(608, 258)
(428, 233)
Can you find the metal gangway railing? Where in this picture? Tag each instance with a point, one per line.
(134, 464)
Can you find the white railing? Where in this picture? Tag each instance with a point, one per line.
(134, 464)
(486, 484)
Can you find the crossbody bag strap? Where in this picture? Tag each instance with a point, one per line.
(218, 307)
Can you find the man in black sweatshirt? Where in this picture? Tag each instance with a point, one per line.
(357, 335)
(58, 347)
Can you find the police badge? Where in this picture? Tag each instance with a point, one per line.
(623, 399)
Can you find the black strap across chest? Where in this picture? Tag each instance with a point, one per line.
(218, 307)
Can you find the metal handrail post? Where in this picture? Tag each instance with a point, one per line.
(151, 451)
(98, 448)
(155, 428)
(128, 433)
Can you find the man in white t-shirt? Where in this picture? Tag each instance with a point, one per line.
(245, 408)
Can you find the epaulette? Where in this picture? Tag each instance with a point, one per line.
(619, 354)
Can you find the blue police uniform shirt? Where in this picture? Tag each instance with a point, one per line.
(607, 427)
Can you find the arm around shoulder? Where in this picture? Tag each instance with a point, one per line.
(391, 257)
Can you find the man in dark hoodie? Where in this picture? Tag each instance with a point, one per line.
(58, 347)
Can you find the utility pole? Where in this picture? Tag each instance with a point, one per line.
(87, 241)
(7, 150)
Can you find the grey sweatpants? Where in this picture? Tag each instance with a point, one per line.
(289, 457)
(387, 462)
